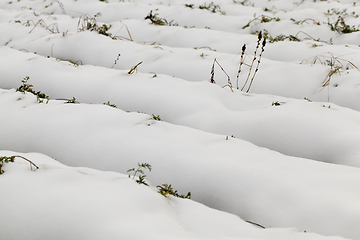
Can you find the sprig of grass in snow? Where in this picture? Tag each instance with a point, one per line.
(341, 27)
(212, 8)
(166, 190)
(26, 87)
(336, 64)
(134, 68)
(72, 100)
(293, 38)
(90, 24)
(156, 118)
(159, 21)
(261, 19)
(110, 104)
(141, 177)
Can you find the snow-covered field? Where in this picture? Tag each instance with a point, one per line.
(279, 149)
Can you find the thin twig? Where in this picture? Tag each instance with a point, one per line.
(54, 28)
(133, 69)
(31, 163)
(256, 224)
(229, 81)
(117, 59)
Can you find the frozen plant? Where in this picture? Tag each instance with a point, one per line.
(5, 159)
(166, 189)
(141, 177)
(26, 87)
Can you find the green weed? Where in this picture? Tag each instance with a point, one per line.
(87, 23)
(26, 87)
(275, 103)
(159, 21)
(139, 170)
(261, 19)
(72, 100)
(212, 8)
(343, 13)
(341, 27)
(156, 118)
(110, 104)
(166, 190)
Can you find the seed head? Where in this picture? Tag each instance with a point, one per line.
(243, 48)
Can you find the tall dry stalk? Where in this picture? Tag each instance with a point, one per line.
(243, 49)
(252, 63)
(258, 63)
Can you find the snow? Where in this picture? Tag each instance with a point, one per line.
(269, 156)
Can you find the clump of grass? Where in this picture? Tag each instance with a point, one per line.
(305, 21)
(244, 3)
(336, 64)
(166, 190)
(156, 118)
(290, 37)
(139, 170)
(87, 23)
(72, 100)
(277, 103)
(278, 38)
(341, 27)
(26, 87)
(159, 21)
(338, 12)
(110, 104)
(262, 19)
(212, 8)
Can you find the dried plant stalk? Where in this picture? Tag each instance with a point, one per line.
(258, 63)
(240, 65)
(212, 79)
(252, 63)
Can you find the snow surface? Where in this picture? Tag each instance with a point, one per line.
(293, 168)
